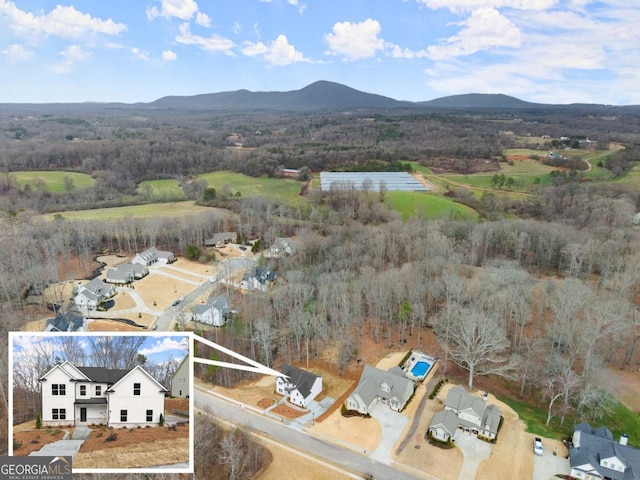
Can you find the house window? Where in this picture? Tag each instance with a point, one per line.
(59, 413)
(136, 389)
(123, 415)
(98, 390)
(58, 389)
(83, 390)
(149, 415)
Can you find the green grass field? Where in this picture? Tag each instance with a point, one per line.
(52, 181)
(507, 152)
(280, 190)
(428, 206)
(620, 420)
(161, 189)
(174, 209)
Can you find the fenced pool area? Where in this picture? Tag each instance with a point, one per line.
(418, 365)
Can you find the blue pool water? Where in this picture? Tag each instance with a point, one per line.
(420, 369)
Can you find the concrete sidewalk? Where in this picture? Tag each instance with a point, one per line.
(67, 447)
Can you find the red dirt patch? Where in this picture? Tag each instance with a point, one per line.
(266, 402)
(287, 412)
(34, 440)
(131, 436)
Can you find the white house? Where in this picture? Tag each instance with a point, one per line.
(74, 395)
(596, 454)
(180, 381)
(258, 279)
(153, 255)
(467, 412)
(215, 312)
(299, 386)
(92, 294)
(377, 386)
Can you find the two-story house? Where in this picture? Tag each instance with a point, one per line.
(390, 387)
(299, 386)
(73, 395)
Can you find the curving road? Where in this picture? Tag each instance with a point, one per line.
(347, 459)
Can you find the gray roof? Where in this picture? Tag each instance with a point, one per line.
(371, 381)
(119, 274)
(446, 419)
(220, 303)
(458, 399)
(90, 401)
(598, 444)
(300, 379)
(97, 286)
(283, 244)
(223, 237)
(103, 375)
(399, 181)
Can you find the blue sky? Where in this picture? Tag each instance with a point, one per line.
(552, 51)
(157, 347)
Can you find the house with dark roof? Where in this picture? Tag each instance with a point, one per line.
(259, 278)
(73, 395)
(596, 454)
(299, 386)
(467, 412)
(215, 312)
(66, 322)
(390, 387)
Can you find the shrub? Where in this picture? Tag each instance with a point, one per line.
(113, 436)
(16, 444)
(38, 422)
(161, 420)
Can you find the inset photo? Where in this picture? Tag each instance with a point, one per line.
(114, 402)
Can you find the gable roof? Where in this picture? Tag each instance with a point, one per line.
(220, 303)
(371, 380)
(300, 379)
(69, 369)
(103, 375)
(445, 419)
(598, 444)
(458, 399)
(138, 368)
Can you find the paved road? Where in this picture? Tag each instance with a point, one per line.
(349, 460)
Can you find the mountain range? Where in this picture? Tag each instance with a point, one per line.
(330, 96)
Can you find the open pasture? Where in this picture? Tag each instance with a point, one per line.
(168, 189)
(52, 181)
(280, 190)
(428, 206)
(171, 209)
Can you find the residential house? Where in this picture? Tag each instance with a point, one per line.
(258, 279)
(66, 322)
(153, 255)
(180, 381)
(596, 454)
(73, 395)
(220, 239)
(282, 246)
(467, 412)
(377, 386)
(299, 386)
(215, 312)
(124, 274)
(89, 296)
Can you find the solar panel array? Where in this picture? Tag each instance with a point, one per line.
(398, 181)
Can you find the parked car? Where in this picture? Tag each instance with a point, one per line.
(538, 449)
(175, 302)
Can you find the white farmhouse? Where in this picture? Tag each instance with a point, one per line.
(74, 395)
(91, 295)
(299, 386)
(215, 312)
(180, 381)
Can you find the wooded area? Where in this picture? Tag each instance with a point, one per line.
(543, 291)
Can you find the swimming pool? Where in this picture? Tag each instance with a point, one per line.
(420, 369)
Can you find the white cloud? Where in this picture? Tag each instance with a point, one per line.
(61, 21)
(236, 28)
(17, 53)
(214, 43)
(165, 345)
(169, 56)
(278, 53)
(203, 19)
(71, 55)
(355, 41)
(485, 29)
(141, 54)
(458, 6)
(182, 9)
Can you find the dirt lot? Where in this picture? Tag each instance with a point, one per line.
(33, 440)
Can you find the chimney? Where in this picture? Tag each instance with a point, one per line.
(623, 439)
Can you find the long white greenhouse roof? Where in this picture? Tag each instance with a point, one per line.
(399, 181)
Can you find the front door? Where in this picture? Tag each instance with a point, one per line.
(83, 414)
